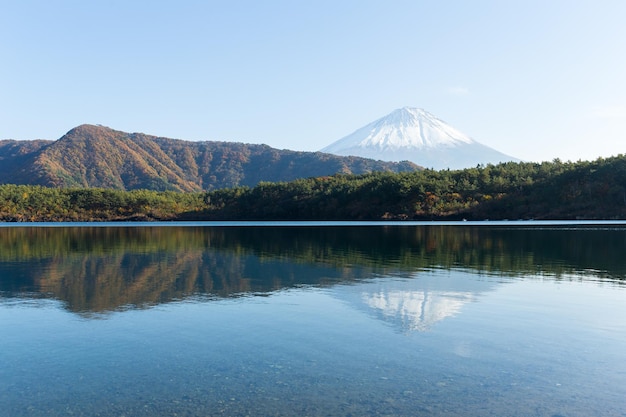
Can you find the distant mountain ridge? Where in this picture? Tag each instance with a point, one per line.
(418, 136)
(97, 156)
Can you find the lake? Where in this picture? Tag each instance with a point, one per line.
(313, 319)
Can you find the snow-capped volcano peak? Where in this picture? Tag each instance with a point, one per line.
(403, 128)
(416, 135)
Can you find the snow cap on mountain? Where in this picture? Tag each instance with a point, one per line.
(416, 135)
(403, 128)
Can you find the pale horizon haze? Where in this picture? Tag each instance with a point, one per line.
(536, 80)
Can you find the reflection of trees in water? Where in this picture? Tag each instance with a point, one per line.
(103, 268)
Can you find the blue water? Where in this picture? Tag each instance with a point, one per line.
(243, 321)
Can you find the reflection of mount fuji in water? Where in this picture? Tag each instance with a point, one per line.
(418, 302)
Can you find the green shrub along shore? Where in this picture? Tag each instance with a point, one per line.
(548, 190)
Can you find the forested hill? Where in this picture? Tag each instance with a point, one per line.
(550, 190)
(96, 156)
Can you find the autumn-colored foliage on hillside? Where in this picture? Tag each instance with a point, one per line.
(96, 156)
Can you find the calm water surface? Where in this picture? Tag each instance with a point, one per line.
(361, 320)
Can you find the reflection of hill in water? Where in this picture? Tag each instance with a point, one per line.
(108, 282)
(100, 269)
(415, 303)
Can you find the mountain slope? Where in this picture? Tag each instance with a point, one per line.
(97, 156)
(418, 136)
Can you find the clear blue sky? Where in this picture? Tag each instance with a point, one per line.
(535, 79)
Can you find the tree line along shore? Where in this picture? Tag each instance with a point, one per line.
(547, 190)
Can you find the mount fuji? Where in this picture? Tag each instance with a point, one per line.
(416, 135)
